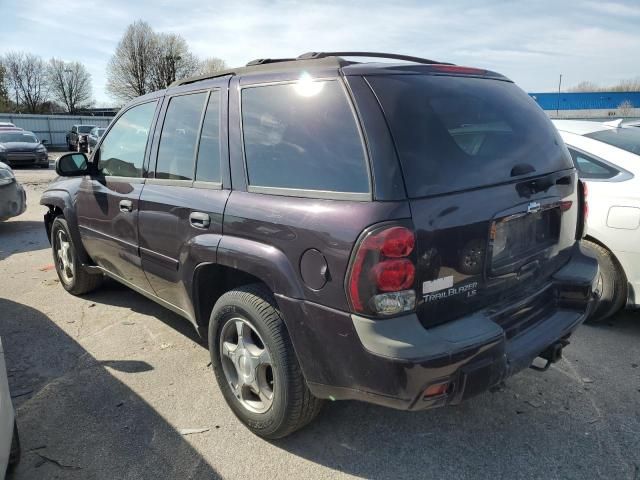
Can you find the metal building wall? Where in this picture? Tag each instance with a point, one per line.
(52, 128)
(586, 100)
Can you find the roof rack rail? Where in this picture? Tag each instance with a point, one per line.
(395, 56)
(262, 61)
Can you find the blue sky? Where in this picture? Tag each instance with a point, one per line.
(531, 42)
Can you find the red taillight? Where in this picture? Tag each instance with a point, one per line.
(382, 273)
(393, 275)
(585, 205)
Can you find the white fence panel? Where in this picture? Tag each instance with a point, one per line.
(52, 128)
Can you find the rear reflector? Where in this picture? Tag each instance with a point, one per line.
(436, 390)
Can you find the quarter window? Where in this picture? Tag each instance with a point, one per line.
(208, 169)
(589, 167)
(122, 151)
(303, 135)
(176, 153)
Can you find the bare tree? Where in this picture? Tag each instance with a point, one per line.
(211, 65)
(173, 60)
(128, 71)
(69, 84)
(630, 85)
(4, 89)
(27, 74)
(585, 87)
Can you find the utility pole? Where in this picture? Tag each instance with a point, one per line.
(558, 105)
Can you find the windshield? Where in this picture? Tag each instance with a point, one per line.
(85, 128)
(9, 137)
(625, 138)
(457, 133)
(100, 131)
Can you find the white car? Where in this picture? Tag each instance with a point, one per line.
(9, 441)
(607, 156)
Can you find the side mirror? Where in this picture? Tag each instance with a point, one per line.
(72, 164)
(44, 142)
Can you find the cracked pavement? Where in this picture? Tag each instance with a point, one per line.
(111, 385)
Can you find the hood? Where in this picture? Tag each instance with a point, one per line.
(4, 166)
(20, 146)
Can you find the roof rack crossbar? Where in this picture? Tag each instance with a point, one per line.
(408, 58)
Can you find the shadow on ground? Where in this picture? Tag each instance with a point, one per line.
(76, 420)
(116, 294)
(19, 236)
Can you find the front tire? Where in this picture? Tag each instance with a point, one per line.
(612, 283)
(255, 365)
(72, 274)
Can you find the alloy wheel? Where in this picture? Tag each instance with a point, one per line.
(64, 256)
(247, 366)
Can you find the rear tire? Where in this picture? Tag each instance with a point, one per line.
(613, 284)
(291, 406)
(73, 276)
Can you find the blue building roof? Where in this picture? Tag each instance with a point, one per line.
(586, 100)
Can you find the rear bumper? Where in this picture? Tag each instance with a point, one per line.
(13, 200)
(391, 362)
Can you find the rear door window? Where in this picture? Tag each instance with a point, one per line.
(177, 150)
(304, 136)
(458, 133)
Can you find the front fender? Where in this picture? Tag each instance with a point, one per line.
(263, 261)
(61, 200)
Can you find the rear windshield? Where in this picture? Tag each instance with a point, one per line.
(625, 138)
(457, 133)
(85, 128)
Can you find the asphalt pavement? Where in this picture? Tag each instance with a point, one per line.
(111, 385)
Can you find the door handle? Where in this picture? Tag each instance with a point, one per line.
(126, 205)
(199, 220)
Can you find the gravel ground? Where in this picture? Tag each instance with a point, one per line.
(106, 384)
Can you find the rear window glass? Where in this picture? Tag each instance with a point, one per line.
(303, 135)
(85, 128)
(457, 133)
(625, 138)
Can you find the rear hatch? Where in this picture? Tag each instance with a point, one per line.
(492, 192)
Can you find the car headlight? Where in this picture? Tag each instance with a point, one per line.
(6, 176)
(41, 149)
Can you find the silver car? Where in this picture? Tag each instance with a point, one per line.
(13, 199)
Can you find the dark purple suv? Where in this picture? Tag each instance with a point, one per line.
(400, 233)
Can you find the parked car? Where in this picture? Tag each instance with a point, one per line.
(607, 156)
(77, 138)
(13, 199)
(20, 148)
(6, 124)
(94, 136)
(271, 210)
(9, 439)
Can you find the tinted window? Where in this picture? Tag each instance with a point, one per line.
(208, 169)
(589, 167)
(625, 138)
(455, 133)
(122, 151)
(176, 153)
(85, 128)
(302, 135)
